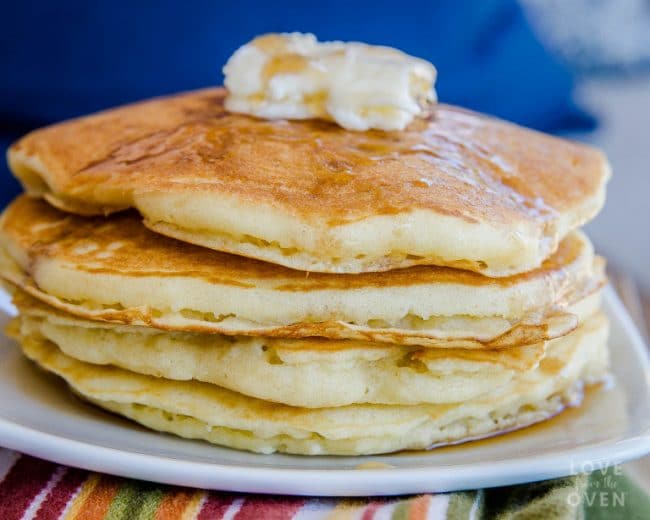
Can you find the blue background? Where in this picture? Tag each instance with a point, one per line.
(63, 59)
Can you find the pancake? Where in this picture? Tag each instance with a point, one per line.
(118, 271)
(460, 189)
(205, 411)
(311, 373)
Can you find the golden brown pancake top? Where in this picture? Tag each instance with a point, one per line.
(121, 244)
(456, 163)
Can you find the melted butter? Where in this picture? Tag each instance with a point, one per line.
(290, 63)
(315, 101)
(294, 76)
(271, 43)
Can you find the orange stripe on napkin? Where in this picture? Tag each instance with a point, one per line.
(195, 505)
(174, 504)
(94, 498)
(419, 508)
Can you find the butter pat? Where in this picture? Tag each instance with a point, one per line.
(359, 86)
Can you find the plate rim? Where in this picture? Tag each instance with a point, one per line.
(331, 481)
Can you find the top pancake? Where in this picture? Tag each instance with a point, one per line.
(460, 189)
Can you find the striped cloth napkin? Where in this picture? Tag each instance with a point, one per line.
(32, 488)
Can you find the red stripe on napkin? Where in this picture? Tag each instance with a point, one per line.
(21, 485)
(215, 506)
(58, 498)
(269, 509)
(174, 503)
(370, 510)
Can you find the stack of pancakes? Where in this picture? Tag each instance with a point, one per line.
(295, 287)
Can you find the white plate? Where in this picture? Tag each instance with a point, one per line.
(38, 416)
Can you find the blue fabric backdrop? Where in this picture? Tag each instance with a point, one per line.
(60, 59)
